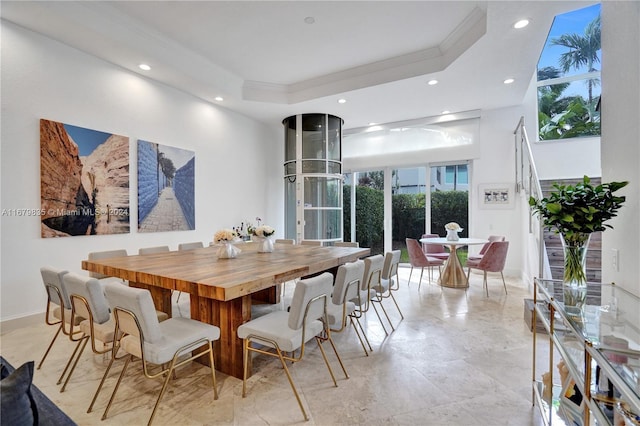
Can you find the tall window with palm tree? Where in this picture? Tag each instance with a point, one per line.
(568, 77)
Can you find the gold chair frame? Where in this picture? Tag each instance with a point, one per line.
(323, 336)
(165, 371)
(61, 322)
(343, 324)
(83, 340)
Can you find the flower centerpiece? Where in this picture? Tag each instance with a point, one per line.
(225, 238)
(452, 231)
(574, 212)
(263, 234)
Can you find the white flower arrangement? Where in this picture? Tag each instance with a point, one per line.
(263, 231)
(452, 226)
(225, 236)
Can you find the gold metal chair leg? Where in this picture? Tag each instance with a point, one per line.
(363, 334)
(104, 377)
(335, 351)
(246, 367)
(380, 319)
(213, 371)
(409, 280)
(85, 340)
(50, 346)
(386, 315)
(115, 389)
(396, 303)
(66, 367)
(359, 337)
(326, 361)
(293, 387)
(420, 283)
(503, 283)
(164, 389)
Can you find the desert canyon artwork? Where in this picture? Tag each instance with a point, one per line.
(84, 181)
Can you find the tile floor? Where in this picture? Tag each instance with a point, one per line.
(458, 358)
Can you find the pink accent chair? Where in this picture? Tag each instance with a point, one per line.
(419, 259)
(483, 250)
(493, 260)
(434, 250)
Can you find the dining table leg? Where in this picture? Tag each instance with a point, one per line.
(228, 316)
(452, 274)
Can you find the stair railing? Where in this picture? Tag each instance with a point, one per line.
(528, 185)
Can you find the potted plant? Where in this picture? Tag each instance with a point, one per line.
(575, 212)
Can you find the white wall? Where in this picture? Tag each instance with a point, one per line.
(620, 137)
(238, 160)
(496, 165)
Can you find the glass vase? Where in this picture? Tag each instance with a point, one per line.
(574, 281)
(452, 235)
(265, 244)
(228, 251)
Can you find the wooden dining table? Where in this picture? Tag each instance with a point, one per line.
(221, 290)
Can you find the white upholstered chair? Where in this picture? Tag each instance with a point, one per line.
(371, 277)
(58, 310)
(314, 243)
(190, 246)
(389, 279)
(153, 250)
(88, 301)
(164, 344)
(97, 255)
(285, 241)
(281, 332)
(345, 288)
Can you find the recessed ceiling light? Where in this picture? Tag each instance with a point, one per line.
(446, 111)
(144, 67)
(508, 81)
(432, 82)
(342, 101)
(521, 23)
(372, 124)
(309, 20)
(219, 98)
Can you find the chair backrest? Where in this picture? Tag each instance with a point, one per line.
(305, 291)
(190, 246)
(417, 257)
(391, 262)
(311, 243)
(372, 271)
(432, 248)
(90, 289)
(347, 283)
(97, 255)
(285, 241)
(346, 244)
(495, 257)
(152, 250)
(140, 303)
(53, 279)
(492, 239)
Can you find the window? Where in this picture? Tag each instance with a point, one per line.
(569, 77)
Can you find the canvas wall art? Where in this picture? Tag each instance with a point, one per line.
(84, 181)
(166, 188)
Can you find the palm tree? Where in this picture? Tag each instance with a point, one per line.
(583, 50)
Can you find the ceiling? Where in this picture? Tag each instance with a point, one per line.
(268, 62)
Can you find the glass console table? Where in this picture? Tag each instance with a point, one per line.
(601, 351)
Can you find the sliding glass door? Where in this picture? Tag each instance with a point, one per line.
(368, 189)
